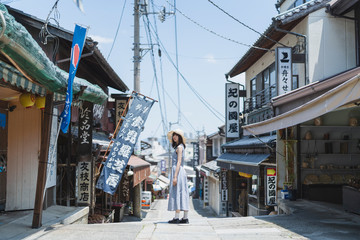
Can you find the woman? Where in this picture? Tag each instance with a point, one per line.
(179, 192)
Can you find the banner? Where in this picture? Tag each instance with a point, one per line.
(123, 145)
(76, 50)
(284, 69)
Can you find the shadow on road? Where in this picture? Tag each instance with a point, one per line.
(203, 211)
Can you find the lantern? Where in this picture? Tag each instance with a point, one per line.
(27, 100)
(40, 102)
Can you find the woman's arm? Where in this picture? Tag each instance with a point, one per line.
(179, 157)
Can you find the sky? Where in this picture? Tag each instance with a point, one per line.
(203, 57)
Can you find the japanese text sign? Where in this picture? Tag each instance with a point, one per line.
(123, 145)
(224, 187)
(270, 186)
(284, 69)
(84, 182)
(232, 110)
(85, 128)
(195, 154)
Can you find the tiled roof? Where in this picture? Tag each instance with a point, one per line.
(300, 11)
(212, 166)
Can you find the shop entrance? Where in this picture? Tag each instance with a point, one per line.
(3, 152)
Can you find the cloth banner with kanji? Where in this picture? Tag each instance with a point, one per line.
(123, 145)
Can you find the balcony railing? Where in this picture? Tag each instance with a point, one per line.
(260, 100)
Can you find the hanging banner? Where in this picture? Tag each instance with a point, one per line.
(284, 69)
(232, 110)
(270, 186)
(76, 50)
(123, 145)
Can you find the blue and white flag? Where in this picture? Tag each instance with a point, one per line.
(76, 50)
(123, 145)
(79, 4)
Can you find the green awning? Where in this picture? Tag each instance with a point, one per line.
(23, 51)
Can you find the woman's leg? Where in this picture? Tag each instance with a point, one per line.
(186, 214)
(177, 214)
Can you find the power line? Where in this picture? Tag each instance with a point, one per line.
(207, 105)
(177, 61)
(219, 35)
(245, 25)
(117, 30)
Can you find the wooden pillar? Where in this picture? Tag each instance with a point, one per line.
(43, 159)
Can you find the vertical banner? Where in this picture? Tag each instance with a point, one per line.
(124, 143)
(76, 50)
(85, 128)
(232, 110)
(52, 158)
(195, 154)
(84, 182)
(270, 186)
(163, 166)
(206, 190)
(284, 69)
(224, 188)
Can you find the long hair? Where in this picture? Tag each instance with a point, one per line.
(181, 141)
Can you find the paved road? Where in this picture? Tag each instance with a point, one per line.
(314, 222)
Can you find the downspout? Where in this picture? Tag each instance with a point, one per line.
(305, 41)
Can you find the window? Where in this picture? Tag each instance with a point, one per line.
(273, 81)
(297, 3)
(295, 82)
(253, 92)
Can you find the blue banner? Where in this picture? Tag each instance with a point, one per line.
(123, 145)
(76, 50)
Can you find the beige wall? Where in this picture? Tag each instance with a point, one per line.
(332, 45)
(214, 196)
(24, 134)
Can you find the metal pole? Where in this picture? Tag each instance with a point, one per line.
(137, 57)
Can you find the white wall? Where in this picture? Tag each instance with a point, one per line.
(331, 45)
(24, 137)
(214, 196)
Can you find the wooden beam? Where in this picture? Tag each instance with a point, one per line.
(43, 159)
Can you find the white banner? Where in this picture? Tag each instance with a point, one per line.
(232, 110)
(284, 69)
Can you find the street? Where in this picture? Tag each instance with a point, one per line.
(313, 222)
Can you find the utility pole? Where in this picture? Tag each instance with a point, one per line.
(137, 51)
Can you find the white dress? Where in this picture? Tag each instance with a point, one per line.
(179, 194)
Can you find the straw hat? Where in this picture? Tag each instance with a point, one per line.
(177, 131)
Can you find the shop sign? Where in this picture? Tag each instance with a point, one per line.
(284, 69)
(232, 110)
(124, 144)
(195, 154)
(120, 105)
(224, 187)
(270, 186)
(206, 190)
(52, 155)
(85, 128)
(84, 182)
(163, 166)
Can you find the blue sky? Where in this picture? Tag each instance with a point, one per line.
(203, 57)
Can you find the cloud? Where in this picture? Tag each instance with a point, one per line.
(102, 40)
(210, 58)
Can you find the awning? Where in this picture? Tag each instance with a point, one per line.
(164, 179)
(246, 163)
(140, 168)
(345, 93)
(18, 46)
(12, 76)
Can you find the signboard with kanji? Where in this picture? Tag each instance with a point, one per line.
(85, 128)
(270, 174)
(284, 69)
(232, 110)
(224, 187)
(84, 182)
(195, 154)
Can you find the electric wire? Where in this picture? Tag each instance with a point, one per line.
(219, 35)
(148, 34)
(217, 114)
(177, 61)
(117, 30)
(245, 25)
(161, 67)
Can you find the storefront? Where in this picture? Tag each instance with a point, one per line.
(213, 186)
(245, 161)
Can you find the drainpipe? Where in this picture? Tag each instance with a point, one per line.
(305, 41)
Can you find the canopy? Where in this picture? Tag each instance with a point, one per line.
(18, 46)
(247, 163)
(345, 93)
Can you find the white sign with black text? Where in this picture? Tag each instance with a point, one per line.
(232, 110)
(284, 69)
